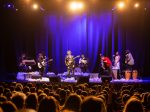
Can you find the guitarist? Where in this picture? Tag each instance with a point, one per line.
(83, 63)
(41, 63)
(70, 62)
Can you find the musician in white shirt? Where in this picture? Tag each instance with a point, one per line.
(116, 61)
(116, 65)
(83, 63)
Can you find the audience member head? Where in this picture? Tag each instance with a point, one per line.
(78, 91)
(144, 100)
(31, 101)
(62, 93)
(46, 91)
(3, 99)
(8, 95)
(8, 106)
(133, 105)
(84, 93)
(19, 85)
(125, 92)
(26, 89)
(41, 96)
(44, 86)
(33, 90)
(73, 103)
(48, 104)
(19, 100)
(125, 98)
(29, 85)
(93, 104)
(70, 88)
(18, 89)
(39, 92)
(6, 90)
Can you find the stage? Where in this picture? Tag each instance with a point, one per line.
(76, 78)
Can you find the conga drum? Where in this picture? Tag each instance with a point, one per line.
(134, 74)
(127, 75)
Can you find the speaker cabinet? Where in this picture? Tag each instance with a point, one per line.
(83, 79)
(35, 76)
(105, 78)
(54, 79)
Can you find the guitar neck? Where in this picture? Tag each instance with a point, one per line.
(76, 57)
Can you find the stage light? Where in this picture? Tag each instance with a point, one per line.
(8, 5)
(136, 5)
(76, 6)
(121, 5)
(35, 6)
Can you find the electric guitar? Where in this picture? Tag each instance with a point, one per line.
(70, 61)
(44, 63)
(84, 61)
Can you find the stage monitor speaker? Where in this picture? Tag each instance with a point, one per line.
(55, 79)
(106, 78)
(35, 76)
(83, 79)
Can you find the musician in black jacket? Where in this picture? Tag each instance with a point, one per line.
(41, 61)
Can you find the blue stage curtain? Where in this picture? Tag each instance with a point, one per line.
(87, 34)
(92, 33)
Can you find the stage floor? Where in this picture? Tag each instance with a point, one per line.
(62, 77)
(73, 80)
